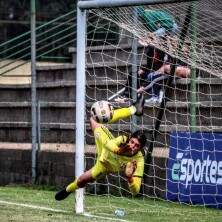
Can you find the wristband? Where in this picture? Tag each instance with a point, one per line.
(130, 179)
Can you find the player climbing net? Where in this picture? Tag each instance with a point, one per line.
(203, 32)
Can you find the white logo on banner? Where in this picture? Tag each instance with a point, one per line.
(206, 171)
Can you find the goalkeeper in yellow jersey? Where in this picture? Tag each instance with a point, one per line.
(114, 154)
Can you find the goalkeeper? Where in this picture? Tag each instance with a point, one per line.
(114, 154)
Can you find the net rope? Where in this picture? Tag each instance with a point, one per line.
(207, 25)
(109, 65)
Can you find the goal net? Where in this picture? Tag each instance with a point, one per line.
(183, 124)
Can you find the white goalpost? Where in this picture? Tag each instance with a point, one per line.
(116, 52)
(80, 104)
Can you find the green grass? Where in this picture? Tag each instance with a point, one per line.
(15, 204)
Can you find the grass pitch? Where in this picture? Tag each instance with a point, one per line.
(28, 204)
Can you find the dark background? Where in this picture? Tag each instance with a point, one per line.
(15, 15)
(15, 20)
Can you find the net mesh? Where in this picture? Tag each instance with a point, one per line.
(206, 28)
(110, 64)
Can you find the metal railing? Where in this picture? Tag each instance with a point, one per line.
(52, 41)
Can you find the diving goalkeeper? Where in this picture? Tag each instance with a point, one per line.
(114, 154)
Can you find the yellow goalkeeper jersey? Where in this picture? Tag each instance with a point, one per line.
(107, 144)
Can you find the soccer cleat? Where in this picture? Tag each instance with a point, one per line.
(160, 99)
(62, 194)
(152, 100)
(139, 104)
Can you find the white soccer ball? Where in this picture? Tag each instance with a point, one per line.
(102, 111)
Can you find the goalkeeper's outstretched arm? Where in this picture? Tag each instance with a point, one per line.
(134, 182)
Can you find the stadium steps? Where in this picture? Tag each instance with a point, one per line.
(15, 131)
(64, 112)
(105, 54)
(56, 92)
(94, 71)
(69, 148)
(57, 116)
(64, 90)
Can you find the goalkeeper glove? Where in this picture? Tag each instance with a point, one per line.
(130, 169)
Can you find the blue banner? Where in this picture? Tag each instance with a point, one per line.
(194, 173)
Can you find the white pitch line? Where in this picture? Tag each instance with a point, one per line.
(58, 211)
(106, 218)
(33, 206)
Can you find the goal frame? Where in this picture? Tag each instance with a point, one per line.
(82, 7)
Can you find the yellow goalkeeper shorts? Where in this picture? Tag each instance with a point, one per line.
(98, 169)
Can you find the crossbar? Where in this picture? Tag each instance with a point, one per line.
(93, 4)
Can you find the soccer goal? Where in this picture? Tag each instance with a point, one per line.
(119, 43)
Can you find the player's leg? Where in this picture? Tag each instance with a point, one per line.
(160, 32)
(136, 108)
(80, 182)
(77, 183)
(90, 175)
(181, 71)
(122, 113)
(100, 136)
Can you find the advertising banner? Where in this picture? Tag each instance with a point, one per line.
(194, 173)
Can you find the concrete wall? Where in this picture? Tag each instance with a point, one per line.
(56, 168)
